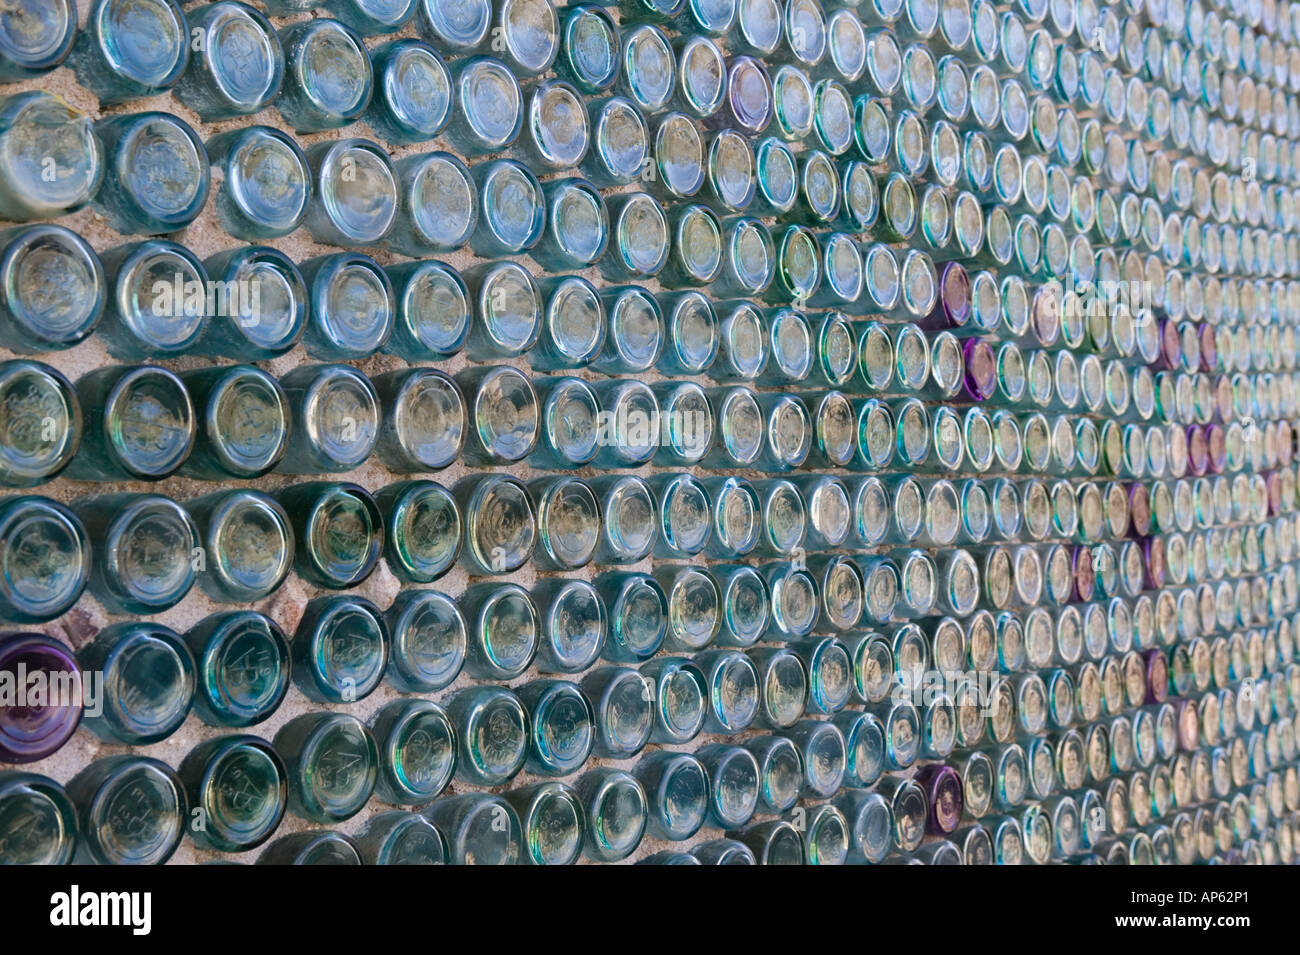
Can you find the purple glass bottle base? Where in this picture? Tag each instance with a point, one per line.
(1216, 444)
(1171, 346)
(981, 368)
(1157, 672)
(1153, 549)
(1139, 509)
(1198, 450)
(1085, 574)
(943, 792)
(954, 295)
(40, 697)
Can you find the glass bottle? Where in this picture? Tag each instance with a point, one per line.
(239, 65)
(733, 682)
(691, 340)
(701, 75)
(683, 515)
(724, 852)
(156, 178)
(266, 184)
(259, 304)
(242, 667)
(52, 289)
(678, 149)
(749, 258)
(500, 523)
(574, 625)
(148, 675)
(734, 784)
(508, 305)
(401, 838)
(250, 541)
(680, 698)
(54, 161)
(433, 311)
(676, 787)
(639, 238)
(620, 142)
(142, 424)
(573, 324)
(480, 828)
(332, 764)
(628, 519)
(369, 18)
(577, 227)
(504, 630)
(561, 725)
(41, 822)
(571, 429)
(417, 751)
(340, 649)
(638, 615)
(351, 306)
(488, 113)
(146, 548)
(335, 419)
(42, 426)
(775, 842)
(32, 729)
(439, 204)
(423, 420)
(503, 412)
(311, 847)
(558, 133)
(37, 38)
(488, 757)
(355, 197)
(161, 300)
(46, 552)
(340, 528)
(328, 77)
(238, 788)
(412, 100)
(827, 836)
(617, 814)
(458, 29)
(870, 823)
(589, 48)
(784, 682)
(241, 422)
(552, 819)
(428, 639)
(635, 340)
(623, 702)
(648, 66)
(822, 748)
(695, 249)
(568, 522)
(748, 106)
(735, 516)
(132, 811)
(422, 529)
